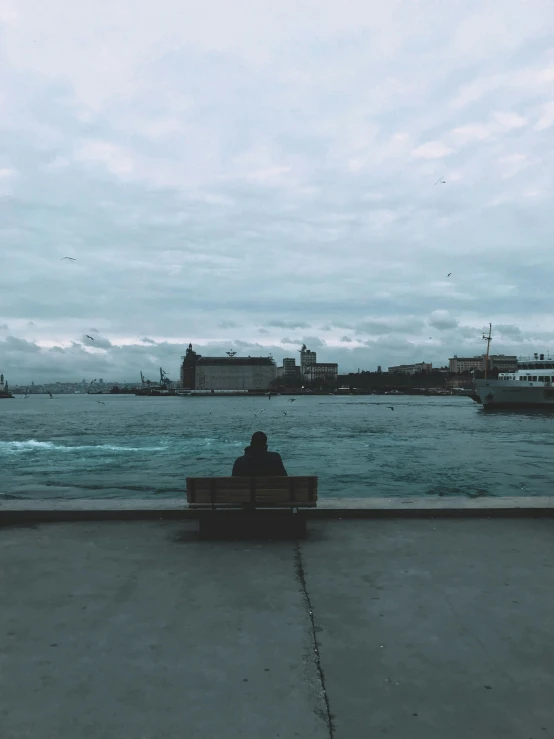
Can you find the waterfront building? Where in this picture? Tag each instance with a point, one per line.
(328, 371)
(289, 366)
(411, 369)
(226, 373)
(4, 388)
(290, 372)
(307, 358)
(311, 369)
(501, 362)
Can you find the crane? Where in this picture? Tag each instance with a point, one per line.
(164, 379)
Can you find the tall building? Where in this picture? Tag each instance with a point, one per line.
(307, 358)
(312, 370)
(226, 373)
(289, 366)
(290, 372)
(188, 368)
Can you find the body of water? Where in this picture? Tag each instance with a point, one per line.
(127, 446)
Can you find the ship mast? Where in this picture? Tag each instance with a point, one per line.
(488, 338)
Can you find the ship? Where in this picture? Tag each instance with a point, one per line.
(4, 389)
(531, 385)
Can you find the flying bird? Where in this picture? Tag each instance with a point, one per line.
(391, 407)
(89, 337)
(71, 259)
(292, 400)
(441, 180)
(93, 381)
(285, 413)
(50, 394)
(101, 401)
(448, 275)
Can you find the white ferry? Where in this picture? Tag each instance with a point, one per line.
(530, 386)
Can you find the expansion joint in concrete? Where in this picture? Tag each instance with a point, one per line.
(301, 575)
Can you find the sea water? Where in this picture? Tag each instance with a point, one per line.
(359, 446)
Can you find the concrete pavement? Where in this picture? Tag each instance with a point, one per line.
(419, 628)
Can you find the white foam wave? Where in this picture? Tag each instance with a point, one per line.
(20, 446)
(34, 445)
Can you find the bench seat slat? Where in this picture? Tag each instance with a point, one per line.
(214, 492)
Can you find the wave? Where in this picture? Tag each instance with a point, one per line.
(34, 445)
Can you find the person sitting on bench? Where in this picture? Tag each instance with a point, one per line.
(257, 461)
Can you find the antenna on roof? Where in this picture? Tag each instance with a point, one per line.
(230, 354)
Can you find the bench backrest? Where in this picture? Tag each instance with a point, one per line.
(277, 492)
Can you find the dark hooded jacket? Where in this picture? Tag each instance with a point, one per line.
(258, 462)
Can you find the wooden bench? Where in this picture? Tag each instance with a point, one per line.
(267, 506)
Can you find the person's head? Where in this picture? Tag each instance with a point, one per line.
(258, 440)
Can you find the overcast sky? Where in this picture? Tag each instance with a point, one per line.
(250, 174)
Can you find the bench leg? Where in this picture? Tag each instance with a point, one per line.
(252, 525)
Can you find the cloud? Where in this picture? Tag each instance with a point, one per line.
(471, 132)
(97, 342)
(313, 342)
(12, 343)
(206, 177)
(288, 324)
(432, 150)
(115, 159)
(510, 120)
(382, 326)
(442, 320)
(508, 331)
(546, 119)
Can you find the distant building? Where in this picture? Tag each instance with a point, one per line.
(290, 372)
(307, 358)
(458, 365)
(188, 366)
(502, 362)
(311, 369)
(321, 371)
(411, 369)
(226, 373)
(289, 366)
